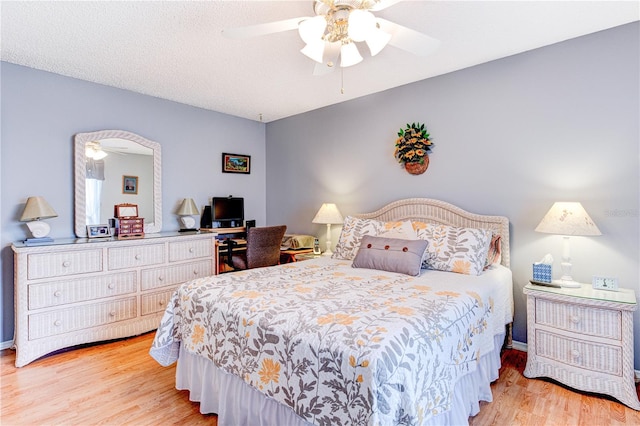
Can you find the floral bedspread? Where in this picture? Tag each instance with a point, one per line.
(339, 345)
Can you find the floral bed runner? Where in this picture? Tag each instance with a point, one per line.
(341, 345)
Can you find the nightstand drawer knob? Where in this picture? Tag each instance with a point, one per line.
(57, 293)
(111, 286)
(191, 250)
(574, 319)
(57, 323)
(112, 313)
(66, 264)
(575, 354)
(138, 257)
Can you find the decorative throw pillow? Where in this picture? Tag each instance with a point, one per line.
(354, 229)
(390, 254)
(454, 249)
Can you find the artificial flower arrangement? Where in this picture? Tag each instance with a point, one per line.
(413, 147)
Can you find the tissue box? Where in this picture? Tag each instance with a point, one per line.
(542, 272)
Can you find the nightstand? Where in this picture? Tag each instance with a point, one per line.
(583, 338)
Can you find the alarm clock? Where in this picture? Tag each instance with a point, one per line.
(605, 283)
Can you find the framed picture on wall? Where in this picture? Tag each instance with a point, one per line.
(129, 184)
(236, 163)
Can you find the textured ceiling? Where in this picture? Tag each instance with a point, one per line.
(174, 49)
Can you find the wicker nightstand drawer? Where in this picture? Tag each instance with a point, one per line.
(579, 319)
(592, 356)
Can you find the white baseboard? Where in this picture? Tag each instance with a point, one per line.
(519, 346)
(6, 345)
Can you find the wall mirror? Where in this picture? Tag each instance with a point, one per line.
(116, 167)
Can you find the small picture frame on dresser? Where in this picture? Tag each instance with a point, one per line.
(98, 231)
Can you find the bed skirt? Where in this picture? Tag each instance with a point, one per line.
(237, 403)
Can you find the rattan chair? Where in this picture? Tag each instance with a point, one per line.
(263, 248)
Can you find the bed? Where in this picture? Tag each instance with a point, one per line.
(325, 342)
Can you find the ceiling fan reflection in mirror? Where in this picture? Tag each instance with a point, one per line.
(338, 25)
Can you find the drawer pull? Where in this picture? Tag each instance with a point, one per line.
(195, 272)
(111, 286)
(191, 250)
(138, 257)
(57, 323)
(574, 319)
(575, 354)
(160, 278)
(66, 264)
(57, 293)
(112, 313)
(161, 303)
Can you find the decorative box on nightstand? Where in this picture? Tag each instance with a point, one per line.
(582, 338)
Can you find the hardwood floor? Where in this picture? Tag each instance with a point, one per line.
(118, 383)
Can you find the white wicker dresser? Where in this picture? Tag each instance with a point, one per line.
(80, 290)
(583, 338)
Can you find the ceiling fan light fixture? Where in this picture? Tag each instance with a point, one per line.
(94, 150)
(361, 24)
(349, 55)
(314, 50)
(311, 30)
(377, 40)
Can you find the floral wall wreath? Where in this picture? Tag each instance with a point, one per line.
(413, 147)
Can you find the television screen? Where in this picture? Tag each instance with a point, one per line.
(227, 209)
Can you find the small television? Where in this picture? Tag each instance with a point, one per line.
(227, 212)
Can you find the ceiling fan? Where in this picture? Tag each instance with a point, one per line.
(338, 25)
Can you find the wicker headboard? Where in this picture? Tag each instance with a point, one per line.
(436, 211)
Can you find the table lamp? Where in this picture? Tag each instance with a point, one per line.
(567, 219)
(35, 209)
(328, 214)
(186, 211)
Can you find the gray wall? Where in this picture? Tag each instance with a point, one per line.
(42, 111)
(511, 137)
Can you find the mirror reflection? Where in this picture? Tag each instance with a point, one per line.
(118, 171)
(115, 167)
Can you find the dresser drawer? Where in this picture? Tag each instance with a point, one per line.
(193, 249)
(580, 319)
(155, 302)
(68, 291)
(48, 265)
(597, 357)
(174, 275)
(129, 257)
(62, 321)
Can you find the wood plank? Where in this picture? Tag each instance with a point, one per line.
(119, 383)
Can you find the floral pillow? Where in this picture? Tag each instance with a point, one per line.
(454, 249)
(494, 255)
(354, 229)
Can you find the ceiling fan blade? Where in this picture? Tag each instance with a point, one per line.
(263, 29)
(407, 39)
(383, 4)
